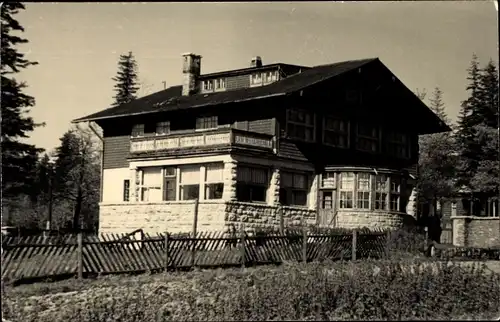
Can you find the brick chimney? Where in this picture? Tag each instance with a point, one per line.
(256, 62)
(191, 68)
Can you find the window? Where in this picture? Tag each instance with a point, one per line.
(346, 190)
(150, 185)
(492, 208)
(335, 132)
(398, 145)
(300, 125)
(328, 180)
(209, 122)
(220, 83)
(367, 138)
(270, 77)
(293, 190)
(256, 79)
(189, 183)
(169, 184)
(381, 192)
(126, 190)
(214, 181)
(363, 190)
(395, 193)
(251, 184)
(138, 130)
(163, 128)
(208, 85)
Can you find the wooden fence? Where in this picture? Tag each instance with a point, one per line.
(80, 255)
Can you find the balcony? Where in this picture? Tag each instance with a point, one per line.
(222, 137)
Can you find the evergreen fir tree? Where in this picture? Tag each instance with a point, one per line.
(126, 86)
(488, 95)
(18, 158)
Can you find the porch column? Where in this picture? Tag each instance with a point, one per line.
(312, 196)
(230, 178)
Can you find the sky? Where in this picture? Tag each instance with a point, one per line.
(425, 44)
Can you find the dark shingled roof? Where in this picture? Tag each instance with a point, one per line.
(171, 98)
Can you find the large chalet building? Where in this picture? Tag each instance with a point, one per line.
(333, 145)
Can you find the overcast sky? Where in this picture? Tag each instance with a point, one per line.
(77, 45)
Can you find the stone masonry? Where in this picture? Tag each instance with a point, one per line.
(481, 232)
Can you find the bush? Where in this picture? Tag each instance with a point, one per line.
(368, 290)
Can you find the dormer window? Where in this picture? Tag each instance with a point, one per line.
(208, 85)
(220, 83)
(270, 77)
(256, 79)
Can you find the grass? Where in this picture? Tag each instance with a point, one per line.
(367, 290)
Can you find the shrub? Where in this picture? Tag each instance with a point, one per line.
(386, 290)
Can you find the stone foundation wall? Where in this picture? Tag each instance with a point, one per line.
(158, 217)
(476, 231)
(371, 219)
(262, 215)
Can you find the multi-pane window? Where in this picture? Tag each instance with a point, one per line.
(150, 184)
(138, 130)
(256, 79)
(367, 138)
(381, 192)
(293, 190)
(220, 83)
(214, 181)
(346, 190)
(170, 184)
(328, 180)
(209, 122)
(208, 85)
(363, 190)
(189, 183)
(163, 128)
(395, 193)
(252, 184)
(336, 132)
(300, 125)
(126, 190)
(270, 77)
(398, 144)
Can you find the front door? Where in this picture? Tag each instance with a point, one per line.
(327, 209)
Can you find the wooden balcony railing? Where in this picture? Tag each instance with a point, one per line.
(218, 137)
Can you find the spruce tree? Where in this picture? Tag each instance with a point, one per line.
(18, 158)
(126, 86)
(488, 95)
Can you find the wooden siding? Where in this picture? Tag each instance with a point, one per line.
(240, 81)
(288, 149)
(116, 150)
(261, 126)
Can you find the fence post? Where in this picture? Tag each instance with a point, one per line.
(282, 223)
(195, 225)
(80, 255)
(242, 236)
(304, 241)
(354, 243)
(166, 251)
(387, 243)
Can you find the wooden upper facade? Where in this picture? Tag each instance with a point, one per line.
(347, 114)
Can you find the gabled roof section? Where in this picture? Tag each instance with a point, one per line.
(171, 99)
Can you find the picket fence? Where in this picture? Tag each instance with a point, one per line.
(82, 256)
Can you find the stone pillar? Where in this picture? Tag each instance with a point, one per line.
(459, 231)
(230, 177)
(273, 195)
